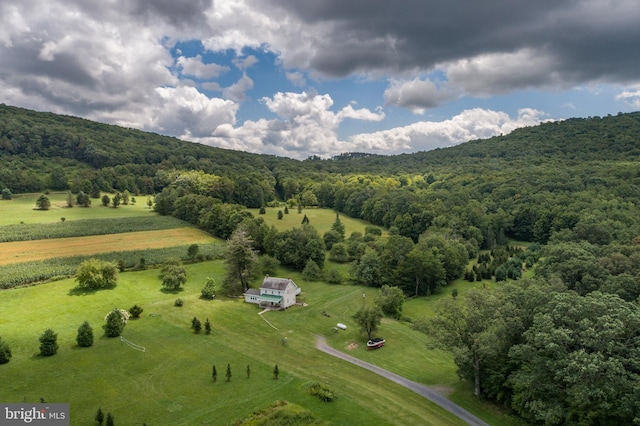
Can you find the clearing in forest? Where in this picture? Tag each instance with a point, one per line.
(24, 251)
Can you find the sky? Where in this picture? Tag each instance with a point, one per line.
(302, 78)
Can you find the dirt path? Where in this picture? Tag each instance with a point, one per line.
(418, 388)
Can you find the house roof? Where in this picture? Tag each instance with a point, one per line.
(253, 291)
(274, 283)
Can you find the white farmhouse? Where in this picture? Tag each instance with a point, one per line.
(277, 293)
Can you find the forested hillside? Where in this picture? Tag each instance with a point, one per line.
(568, 190)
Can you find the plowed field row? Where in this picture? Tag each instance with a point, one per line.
(23, 251)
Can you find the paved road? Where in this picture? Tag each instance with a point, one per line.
(418, 388)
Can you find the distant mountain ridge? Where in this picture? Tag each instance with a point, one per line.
(29, 132)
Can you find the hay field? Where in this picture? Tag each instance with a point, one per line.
(23, 251)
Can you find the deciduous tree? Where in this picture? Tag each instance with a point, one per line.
(368, 318)
(95, 274)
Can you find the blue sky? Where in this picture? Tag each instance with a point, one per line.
(320, 78)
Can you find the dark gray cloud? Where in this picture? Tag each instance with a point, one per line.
(179, 13)
(588, 40)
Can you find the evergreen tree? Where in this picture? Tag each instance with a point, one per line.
(214, 374)
(248, 372)
(69, 199)
(105, 200)
(110, 420)
(196, 325)
(276, 372)
(43, 202)
(209, 290)
(207, 327)
(114, 324)
(99, 416)
(228, 372)
(85, 335)
(286, 210)
(305, 220)
(280, 215)
(5, 352)
(48, 343)
(338, 226)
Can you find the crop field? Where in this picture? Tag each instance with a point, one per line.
(23, 251)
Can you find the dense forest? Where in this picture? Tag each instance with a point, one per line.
(559, 347)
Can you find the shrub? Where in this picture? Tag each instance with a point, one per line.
(332, 276)
(48, 343)
(321, 392)
(85, 335)
(6, 194)
(178, 302)
(135, 311)
(5, 352)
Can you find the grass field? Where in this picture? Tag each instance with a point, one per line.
(24, 251)
(321, 219)
(171, 383)
(22, 209)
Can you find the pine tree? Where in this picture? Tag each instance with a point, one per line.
(276, 372)
(207, 327)
(100, 416)
(196, 325)
(214, 374)
(85, 335)
(110, 420)
(228, 372)
(48, 343)
(248, 372)
(114, 324)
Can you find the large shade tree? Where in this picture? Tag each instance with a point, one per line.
(239, 258)
(579, 363)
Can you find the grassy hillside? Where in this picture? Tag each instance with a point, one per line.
(171, 382)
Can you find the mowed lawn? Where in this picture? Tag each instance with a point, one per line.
(171, 383)
(23, 251)
(22, 209)
(321, 219)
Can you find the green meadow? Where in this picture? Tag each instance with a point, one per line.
(171, 382)
(22, 209)
(321, 219)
